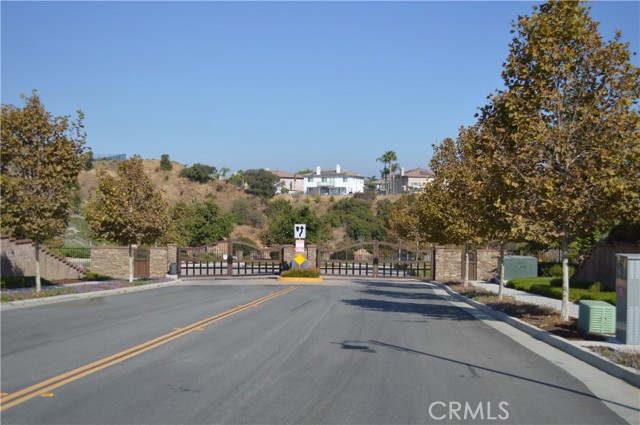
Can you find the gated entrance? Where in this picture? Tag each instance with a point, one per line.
(229, 258)
(376, 259)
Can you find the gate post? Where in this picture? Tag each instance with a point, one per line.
(229, 257)
(376, 257)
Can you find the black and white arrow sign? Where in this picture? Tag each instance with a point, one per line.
(300, 231)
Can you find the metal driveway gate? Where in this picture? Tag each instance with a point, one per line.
(377, 259)
(229, 258)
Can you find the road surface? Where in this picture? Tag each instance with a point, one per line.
(349, 352)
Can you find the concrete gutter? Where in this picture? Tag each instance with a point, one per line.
(84, 295)
(627, 374)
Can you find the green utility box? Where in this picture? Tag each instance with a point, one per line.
(520, 266)
(597, 317)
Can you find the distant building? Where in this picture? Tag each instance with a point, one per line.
(411, 181)
(333, 182)
(294, 183)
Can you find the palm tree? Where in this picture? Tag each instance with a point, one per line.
(387, 159)
(224, 171)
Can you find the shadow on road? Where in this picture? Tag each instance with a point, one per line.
(486, 369)
(430, 311)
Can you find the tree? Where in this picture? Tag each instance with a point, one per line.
(165, 163)
(199, 173)
(261, 183)
(282, 218)
(565, 130)
(237, 179)
(224, 171)
(42, 156)
(206, 222)
(387, 159)
(127, 208)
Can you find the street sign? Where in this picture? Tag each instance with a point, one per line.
(300, 231)
(299, 245)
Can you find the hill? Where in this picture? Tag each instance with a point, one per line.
(176, 188)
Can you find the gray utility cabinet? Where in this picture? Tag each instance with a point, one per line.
(597, 317)
(628, 298)
(520, 266)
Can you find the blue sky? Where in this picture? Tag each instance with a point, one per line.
(278, 85)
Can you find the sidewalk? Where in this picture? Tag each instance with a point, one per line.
(529, 298)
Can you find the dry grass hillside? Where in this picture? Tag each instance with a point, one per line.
(176, 189)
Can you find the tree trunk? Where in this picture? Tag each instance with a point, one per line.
(501, 271)
(38, 281)
(564, 312)
(130, 263)
(466, 265)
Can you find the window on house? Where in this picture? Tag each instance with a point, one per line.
(345, 179)
(324, 180)
(310, 179)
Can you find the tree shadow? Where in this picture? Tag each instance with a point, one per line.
(403, 295)
(430, 311)
(511, 375)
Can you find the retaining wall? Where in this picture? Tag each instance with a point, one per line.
(18, 258)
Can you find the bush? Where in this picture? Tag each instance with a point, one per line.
(301, 273)
(96, 277)
(18, 282)
(553, 270)
(552, 288)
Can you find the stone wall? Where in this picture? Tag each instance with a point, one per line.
(487, 261)
(310, 253)
(600, 264)
(448, 264)
(114, 261)
(18, 258)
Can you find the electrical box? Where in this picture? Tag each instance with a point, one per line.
(628, 298)
(597, 317)
(520, 266)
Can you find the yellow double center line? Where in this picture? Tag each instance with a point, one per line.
(43, 387)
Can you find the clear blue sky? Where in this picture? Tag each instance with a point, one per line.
(279, 85)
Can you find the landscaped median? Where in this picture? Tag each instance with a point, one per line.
(300, 275)
(544, 323)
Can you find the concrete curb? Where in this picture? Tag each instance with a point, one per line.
(85, 295)
(625, 373)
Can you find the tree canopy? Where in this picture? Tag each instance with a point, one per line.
(261, 183)
(563, 136)
(127, 208)
(199, 173)
(42, 156)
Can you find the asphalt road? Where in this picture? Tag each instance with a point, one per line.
(357, 352)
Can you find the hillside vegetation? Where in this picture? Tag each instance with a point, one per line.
(176, 189)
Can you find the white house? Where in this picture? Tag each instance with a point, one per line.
(333, 182)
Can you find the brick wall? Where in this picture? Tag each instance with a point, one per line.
(600, 264)
(311, 254)
(114, 261)
(18, 258)
(487, 263)
(448, 264)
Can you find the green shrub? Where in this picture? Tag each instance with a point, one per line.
(553, 270)
(96, 277)
(18, 282)
(301, 273)
(552, 288)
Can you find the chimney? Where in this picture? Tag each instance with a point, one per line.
(402, 171)
(338, 169)
(318, 172)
